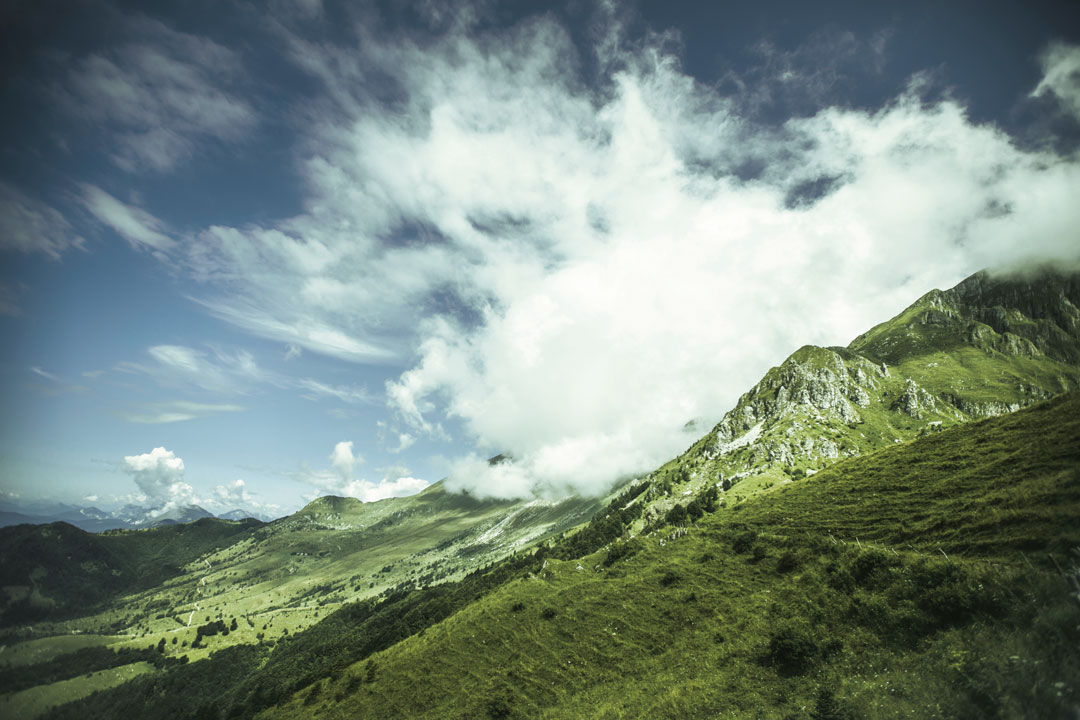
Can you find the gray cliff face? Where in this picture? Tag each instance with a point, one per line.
(1032, 314)
(792, 417)
(815, 381)
(914, 401)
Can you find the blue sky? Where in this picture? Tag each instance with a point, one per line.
(355, 248)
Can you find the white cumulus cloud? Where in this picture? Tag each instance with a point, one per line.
(160, 477)
(343, 461)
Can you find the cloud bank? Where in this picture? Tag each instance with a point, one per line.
(572, 269)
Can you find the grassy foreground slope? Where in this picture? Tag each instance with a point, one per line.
(830, 598)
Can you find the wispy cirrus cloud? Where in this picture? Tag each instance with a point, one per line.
(351, 394)
(28, 225)
(179, 411)
(158, 94)
(217, 371)
(137, 226)
(223, 373)
(56, 385)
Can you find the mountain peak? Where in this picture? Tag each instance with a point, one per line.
(990, 345)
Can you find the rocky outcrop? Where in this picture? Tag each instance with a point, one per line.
(1031, 313)
(914, 401)
(817, 381)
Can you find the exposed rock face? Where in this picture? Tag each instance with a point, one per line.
(1041, 307)
(813, 380)
(914, 401)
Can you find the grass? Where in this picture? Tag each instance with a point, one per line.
(828, 595)
(31, 703)
(32, 652)
(992, 489)
(769, 612)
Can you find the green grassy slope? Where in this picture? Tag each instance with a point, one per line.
(774, 609)
(277, 579)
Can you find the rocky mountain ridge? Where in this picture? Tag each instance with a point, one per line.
(988, 346)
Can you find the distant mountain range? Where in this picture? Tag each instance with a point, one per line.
(93, 519)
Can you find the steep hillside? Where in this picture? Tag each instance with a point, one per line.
(990, 345)
(918, 581)
(866, 589)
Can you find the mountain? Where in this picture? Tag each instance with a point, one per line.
(140, 516)
(990, 345)
(243, 515)
(334, 550)
(92, 519)
(58, 570)
(185, 514)
(898, 584)
(625, 604)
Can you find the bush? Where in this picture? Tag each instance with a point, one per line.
(827, 707)
(620, 550)
(498, 707)
(676, 516)
(870, 565)
(744, 542)
(669, 579)
(548, 613)
(793, 649)
(787, 562)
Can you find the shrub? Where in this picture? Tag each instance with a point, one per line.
(744, 542)
(827, 707)
(793, 649)
(498, 707)
(676, 516)
(620, 550)
(869, 565)
(669, 578)
(787, 562)
(548, 613)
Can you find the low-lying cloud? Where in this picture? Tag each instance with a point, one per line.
(341, 478)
